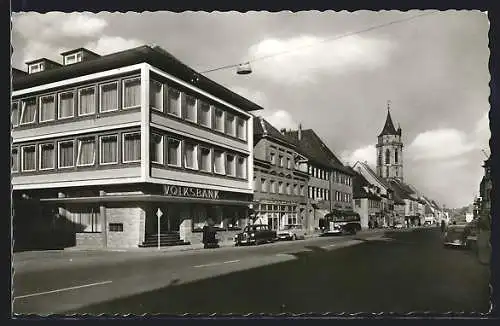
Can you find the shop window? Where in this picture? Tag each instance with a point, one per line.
(156, 95)
(131, 93)
(28, 110)
(230, 165)
(47, 108)
(85, 218)
(66, 154)
(189, 107)
(205, 159)
(156, 148)
(131, 147)
(14, 114)
(204, 114)
(47, 156)
(230, 124)
(219, 162)
(241, 167)
(174, 152)
(174, 102)
(66, 107)
(115, 227)
(219, 120)
(86, 101)
(109, 149)
(241, 128)
(14, 161)
(28, 158)
(190, 155)
(86, 152)
(108, 97)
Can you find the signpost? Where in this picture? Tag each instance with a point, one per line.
(159, 214)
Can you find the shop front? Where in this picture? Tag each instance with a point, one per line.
(277, 214)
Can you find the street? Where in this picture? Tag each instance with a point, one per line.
(392, 271)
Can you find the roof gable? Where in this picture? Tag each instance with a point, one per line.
(388, 126)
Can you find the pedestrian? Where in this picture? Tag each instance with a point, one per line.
(443, 226)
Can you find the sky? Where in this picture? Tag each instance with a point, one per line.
(329, 76)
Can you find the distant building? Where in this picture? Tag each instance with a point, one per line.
(280, 178)
(485, 196)
(366, 201)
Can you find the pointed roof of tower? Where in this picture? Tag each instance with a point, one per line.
(389, 126)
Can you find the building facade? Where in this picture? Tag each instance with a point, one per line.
(390, 151)
(366, 201)
(112, 151)
(280, 178)
(330, 182)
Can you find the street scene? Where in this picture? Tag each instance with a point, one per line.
(301, 163)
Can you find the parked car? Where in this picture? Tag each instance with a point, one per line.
(292, 232)
(455, 236)
(255, 234)
(334, 229)
(398, 226)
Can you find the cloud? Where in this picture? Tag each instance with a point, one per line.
(439, 144)
(280, 119)
(310, 57)
(257, 97)
(364, 154)
(109, 44)
(482, 131)
(53, 26)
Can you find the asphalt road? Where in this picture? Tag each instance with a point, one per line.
(399, 272)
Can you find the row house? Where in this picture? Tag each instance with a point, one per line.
(280, 178)
(390, 212)
(112, 151)
(412, 208)
(366, 201)
(485, 192)
(330, 182)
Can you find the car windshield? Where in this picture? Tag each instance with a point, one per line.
(290, 227)
(249, 228)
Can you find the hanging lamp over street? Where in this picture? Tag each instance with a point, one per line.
(244, 69)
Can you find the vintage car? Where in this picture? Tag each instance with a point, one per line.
(255, 234)
(292, 232)
(455, 236)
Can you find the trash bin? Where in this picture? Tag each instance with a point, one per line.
(209, 239)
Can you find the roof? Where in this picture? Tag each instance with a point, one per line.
(43, 59)
(311, 146)
(155, 56)
(16, 73)
(262, 128)
(388, 126)
(358, 191)
(375, 175)
(76, 50)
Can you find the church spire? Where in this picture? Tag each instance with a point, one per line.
(389, 126)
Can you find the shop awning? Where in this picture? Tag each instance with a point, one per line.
(144, 198)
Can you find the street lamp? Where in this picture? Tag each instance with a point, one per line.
(244, 69)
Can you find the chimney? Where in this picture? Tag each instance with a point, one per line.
(283, 130)
(299, 133)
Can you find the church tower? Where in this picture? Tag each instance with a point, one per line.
(390, 150)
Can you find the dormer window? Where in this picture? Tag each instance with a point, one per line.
(36, 67)
(73, 58)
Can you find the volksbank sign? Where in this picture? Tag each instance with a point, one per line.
(191, 192)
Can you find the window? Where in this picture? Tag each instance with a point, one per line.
(241, 167)
(36, 67)
(86, 101)
(230, 124)
(288, 189)
(86, 151)
(396, 156)
(302, 190)
(230, 165)
(131, 93)
(108, 97)
(115, 227)
(109, 149)
(131, 147)
(219, 120)
(190, 155)
(205, 159)
(189, 107)
(14, 114)
(28, 110)
(28, 158)
(263, 185)
(174, 152)
(296, 189)
(204, 114)
(281, 187)
(66, 105)
(387, 171)
(47, 108)
(47, 156)
(387, 157)
(73, 58)
(156, 95)
(289, 163)
(379, 158)
(241, 130)
(14, 160)
(66, 154)
(273, 158)
(156, 148)
(282, 161)
(174, 103)
(273, 186)
(219, 166)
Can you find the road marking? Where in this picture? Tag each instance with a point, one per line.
(61, 290)
(331, 245)
(215, 264)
